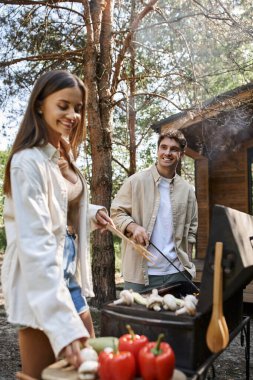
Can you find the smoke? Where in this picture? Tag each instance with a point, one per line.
(223, 133)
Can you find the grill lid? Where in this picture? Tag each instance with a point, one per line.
(235, 230)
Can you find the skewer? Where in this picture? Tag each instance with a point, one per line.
(138, 247)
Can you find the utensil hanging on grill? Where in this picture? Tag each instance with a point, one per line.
(217, 336)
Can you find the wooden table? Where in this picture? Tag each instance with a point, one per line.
(62, 371)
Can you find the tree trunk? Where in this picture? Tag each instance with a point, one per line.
(97, 77)
(132, 110)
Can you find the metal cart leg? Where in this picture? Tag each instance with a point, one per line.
(245, 333)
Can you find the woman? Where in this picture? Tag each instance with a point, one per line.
(39, 205)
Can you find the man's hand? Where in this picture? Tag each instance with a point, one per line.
(138, 233)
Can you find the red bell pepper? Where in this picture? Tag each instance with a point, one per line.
(118, 365)
(157, 360)
(133, 343)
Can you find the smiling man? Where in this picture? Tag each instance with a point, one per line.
(157, 206)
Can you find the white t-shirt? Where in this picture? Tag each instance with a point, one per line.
(162, 235)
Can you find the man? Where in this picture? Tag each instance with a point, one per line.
(156, 205)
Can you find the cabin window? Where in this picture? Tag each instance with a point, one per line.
(250, 179)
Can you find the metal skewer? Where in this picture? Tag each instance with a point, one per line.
(192, 283)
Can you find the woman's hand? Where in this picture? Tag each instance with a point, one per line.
(72, 352)
(103, 219)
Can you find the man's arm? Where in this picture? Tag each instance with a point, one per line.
(121, 214)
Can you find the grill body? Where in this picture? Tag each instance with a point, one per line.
(187, 334)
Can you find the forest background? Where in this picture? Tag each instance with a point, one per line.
(141, 61)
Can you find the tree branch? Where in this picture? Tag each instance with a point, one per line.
(151, 95)
(88, 22)
(31, 2)
(43, 57)
(121, 165)
(49, 4)
(148, 8)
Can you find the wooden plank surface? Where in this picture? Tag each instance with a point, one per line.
(62, 371)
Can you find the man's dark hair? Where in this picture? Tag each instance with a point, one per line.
(175, 134)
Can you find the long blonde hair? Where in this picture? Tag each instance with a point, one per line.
(33, 131)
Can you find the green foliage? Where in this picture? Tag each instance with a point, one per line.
(117, 252)
(188, 169)
(3, 160)
(2, 239)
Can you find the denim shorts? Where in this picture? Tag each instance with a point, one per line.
(69, 266)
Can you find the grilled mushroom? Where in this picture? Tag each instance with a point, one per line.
(126, 298)
(169, 302)
(190, 303)
(154, 301)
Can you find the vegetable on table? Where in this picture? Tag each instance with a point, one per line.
(100, 343)
(157, 360)
(133, 343)
(88, 370)
(89, 367)
(119, 365)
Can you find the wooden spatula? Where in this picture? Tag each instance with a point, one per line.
(217, 333)
(137, 247)
(223, 320)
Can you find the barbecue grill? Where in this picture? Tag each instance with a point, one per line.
(187, 334)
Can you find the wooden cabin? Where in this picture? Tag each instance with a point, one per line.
(220, 140)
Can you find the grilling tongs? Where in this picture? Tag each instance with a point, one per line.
(217, 336)
(137, 247)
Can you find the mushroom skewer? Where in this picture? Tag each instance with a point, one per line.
(137, 247)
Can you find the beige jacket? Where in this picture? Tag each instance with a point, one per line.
(138, 201)
(35, 222)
